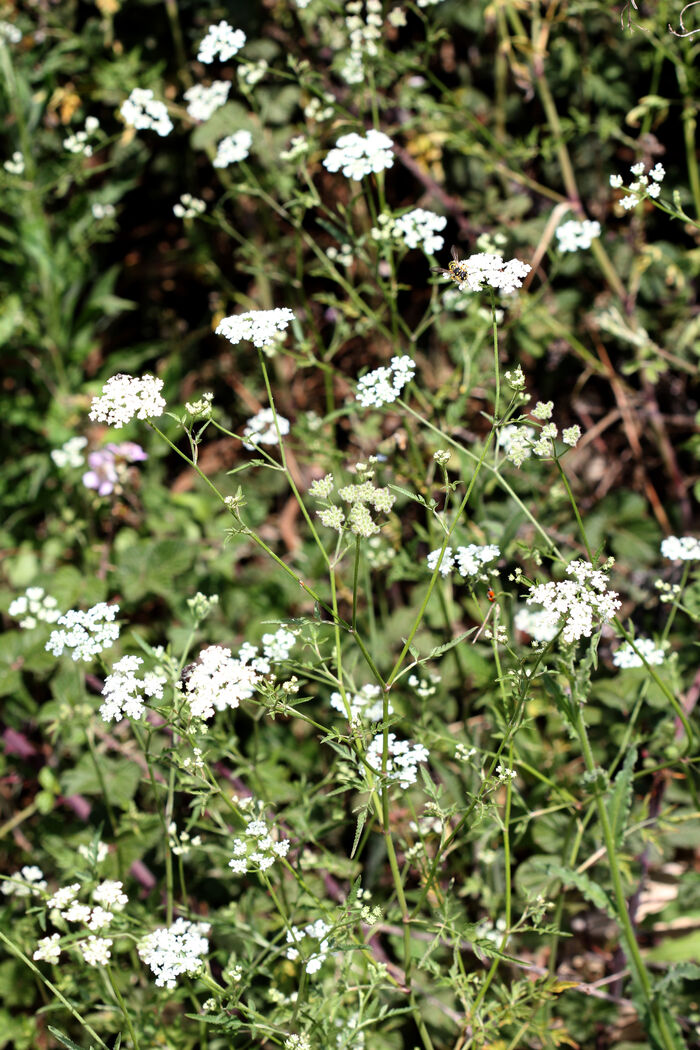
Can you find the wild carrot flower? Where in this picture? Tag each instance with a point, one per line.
(486, 269)
(70, 453)
(683, 548)
(261, 327)
(383, 385)
(358, 156)
(233, 148)
(95, 950)
(261, 430)
(581, 602)
(126, 397)
(403, 759)
(258, 849)
(316, 931)
(86, 633)
(173, 950)
(221, 41)
(469, 560)
(202, 101)
(574, 236)
(141, 110)
(124, 692)
(218, 681)
(626, 657)
(34, 606)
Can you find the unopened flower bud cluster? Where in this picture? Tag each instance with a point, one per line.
(360, 496)
(519, 441)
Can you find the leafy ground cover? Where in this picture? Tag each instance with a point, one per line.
(350, 540)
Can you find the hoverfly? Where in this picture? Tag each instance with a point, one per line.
(456, 270)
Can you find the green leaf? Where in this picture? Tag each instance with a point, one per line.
(585, 885)
(119, 777)
(63, 1039)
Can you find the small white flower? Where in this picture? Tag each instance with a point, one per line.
(261, 429)
(28, 881)
(540, 624)
(189, 207)
(626, 657)
(261, 327)
(126, 397)
(419, 228)
(34, 606)
(571, 435)
(221, 41)
(317, 931)
(48, 949)
(15, 165)
(69, 454)
(123, 691)
(383, 385)
(86, 633)
(10, 32)
(358, 156)
(102, 211)
(174, 950)
(683, 548)
(63, 897)
(403, 759)
(331, 517)
(95, 950)
(110, 893)
(487, 269)
(581, 602)
(574, 236)
(233, 149)
(218, 681)
(365, 706)
(141, 110)
(203, 101)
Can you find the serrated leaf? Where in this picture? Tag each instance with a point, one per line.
(445, 648)
(63, 1039)
(585, 885)
(361, 820)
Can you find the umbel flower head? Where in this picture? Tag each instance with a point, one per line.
(261, 327)
(580, 603)
(485, 269)
(358, 156)
(126, 397)
(141, 110)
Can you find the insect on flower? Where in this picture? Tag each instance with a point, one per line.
(456, 270)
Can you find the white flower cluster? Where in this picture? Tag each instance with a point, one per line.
(79, 141)
(363, 37)
(221, 41)
(173, 950)
(469, 560)
(189, 207)
(626, 657)
(641, 187)
(102, 211)
(257, 850)
(126, 397)
(107, 898)
(10, 32)
(358, 156)
(124, 692)
(681, 548)
(317, 931)
(574, 236)
(28, 881)
(403, 759)
(251, 73)
(418, 228)
(70, 453)
(218, 681)
(365, 706)
(261, 327)
(383, 385)
(261, 430)
(203, 101)
(95, 950)
(86, 633)
(415, 229)
(15, 165)
(520, 442)
(276, 648)
(141, 110)
(34, 606)
(538, 623)
(581, 602)
(233, 148)
(487, 269)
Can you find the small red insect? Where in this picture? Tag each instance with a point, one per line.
(491, 594)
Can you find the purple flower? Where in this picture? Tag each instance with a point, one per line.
(108, 466)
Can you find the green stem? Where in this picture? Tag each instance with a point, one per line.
(122, 1004)
(643, 980)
